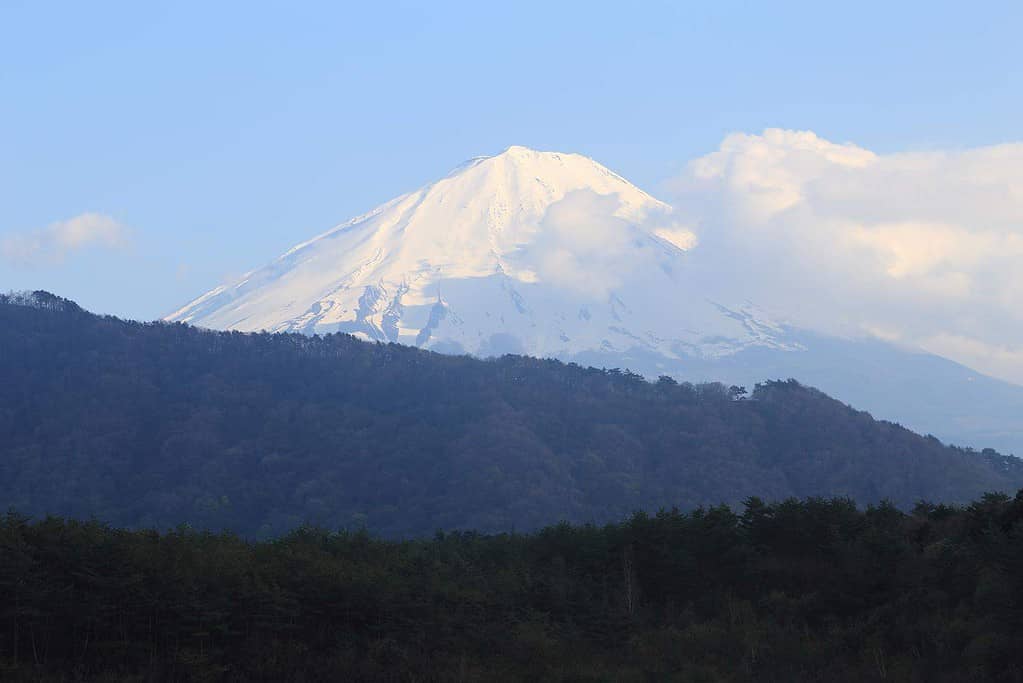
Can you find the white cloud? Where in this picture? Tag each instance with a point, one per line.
(56, 241)
(581, 240)
(583, 243)
(927, 246)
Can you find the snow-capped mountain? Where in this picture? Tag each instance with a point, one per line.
(552, 254)
(541, 253)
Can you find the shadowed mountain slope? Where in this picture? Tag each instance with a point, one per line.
(155, 424)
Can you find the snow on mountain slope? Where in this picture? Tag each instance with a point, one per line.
(541, 253)
(551, 254)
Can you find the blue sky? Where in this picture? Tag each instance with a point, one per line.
(221, 134)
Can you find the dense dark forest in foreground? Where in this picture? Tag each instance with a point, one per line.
(153, 424)
(793, 591)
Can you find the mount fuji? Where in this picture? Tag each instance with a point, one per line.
(552, 254)
(539, 253)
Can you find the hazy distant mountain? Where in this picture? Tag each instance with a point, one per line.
(553, 255)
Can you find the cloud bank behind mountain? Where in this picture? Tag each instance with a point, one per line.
(922, 248)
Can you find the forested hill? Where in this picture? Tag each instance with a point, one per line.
(155, 424)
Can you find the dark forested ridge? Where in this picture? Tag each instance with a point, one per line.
(795, 591)
(154, 424)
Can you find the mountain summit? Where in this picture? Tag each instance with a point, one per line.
(532, 252)
(553, 255)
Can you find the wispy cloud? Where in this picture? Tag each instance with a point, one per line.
(584, 245)
(55, 242)
(927, 246)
